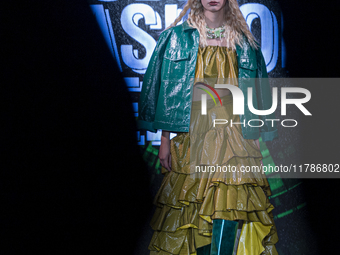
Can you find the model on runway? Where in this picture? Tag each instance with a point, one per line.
(208, 213)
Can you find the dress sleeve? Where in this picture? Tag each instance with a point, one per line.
(268, 131)
(151, 84)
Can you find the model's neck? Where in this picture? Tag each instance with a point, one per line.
(214, 19)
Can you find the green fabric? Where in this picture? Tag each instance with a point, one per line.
(171, 71)
(146, 125)
(205, 250)
(269, 135)
(223, 238)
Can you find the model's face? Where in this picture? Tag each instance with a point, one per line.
(213, 5)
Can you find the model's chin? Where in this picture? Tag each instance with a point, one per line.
(213, 8)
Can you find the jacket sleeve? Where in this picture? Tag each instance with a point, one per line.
(268, 131)
(151, 84)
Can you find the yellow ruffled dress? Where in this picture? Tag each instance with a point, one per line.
(187, 202)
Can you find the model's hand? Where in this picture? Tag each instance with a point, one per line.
(164, 154)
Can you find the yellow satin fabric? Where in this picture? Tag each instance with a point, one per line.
(216, 62)
(188, 204)
(250, 242)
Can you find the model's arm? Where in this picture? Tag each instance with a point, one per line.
(151, 85)
(164, 150)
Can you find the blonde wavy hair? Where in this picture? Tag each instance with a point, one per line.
(235, 24)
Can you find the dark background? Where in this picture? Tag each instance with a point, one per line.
(72, 179)
(309, 34)
(71, 182)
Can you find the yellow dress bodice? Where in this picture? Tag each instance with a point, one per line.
(216, 62)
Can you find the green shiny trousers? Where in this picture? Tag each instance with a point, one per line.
(223, 238)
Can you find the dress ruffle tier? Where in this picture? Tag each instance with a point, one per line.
(187, 202)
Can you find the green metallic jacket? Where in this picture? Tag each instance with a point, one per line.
(165, 99)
